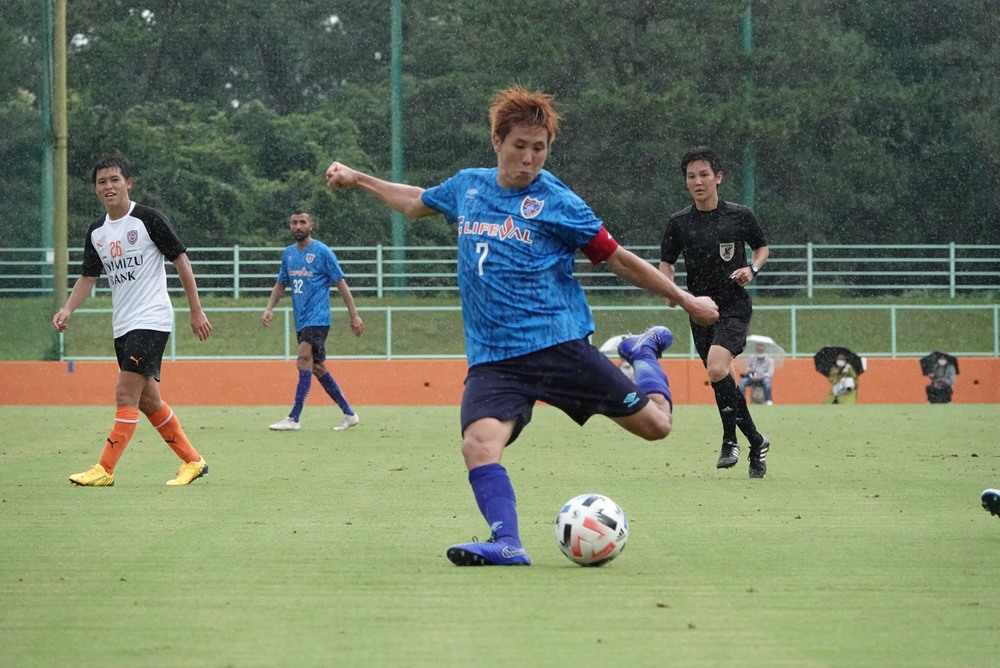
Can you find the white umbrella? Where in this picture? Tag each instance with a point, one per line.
(771, 349)
(611, 346)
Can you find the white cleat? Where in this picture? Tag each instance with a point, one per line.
(288, 424)
(348, 422)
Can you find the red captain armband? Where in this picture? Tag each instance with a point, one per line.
(600, 247)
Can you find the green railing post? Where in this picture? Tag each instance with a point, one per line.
(951, 270)
(809, 270)
(236, 271)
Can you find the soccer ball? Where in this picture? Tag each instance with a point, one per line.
(591, 529)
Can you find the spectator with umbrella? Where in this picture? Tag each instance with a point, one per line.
(941, 368)
(841, 366)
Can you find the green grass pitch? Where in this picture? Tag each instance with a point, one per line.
(865, 545)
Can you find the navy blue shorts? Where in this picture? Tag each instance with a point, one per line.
(315, 337)
(141, 351)
(575, 377)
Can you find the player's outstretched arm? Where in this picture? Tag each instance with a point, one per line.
(630, 267)
(81, 290)
(398, 196)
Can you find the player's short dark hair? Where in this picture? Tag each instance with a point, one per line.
(111, 162)
(701, 153)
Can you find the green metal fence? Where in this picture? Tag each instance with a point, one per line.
(806, 270)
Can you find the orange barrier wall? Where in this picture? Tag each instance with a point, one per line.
(439, 382)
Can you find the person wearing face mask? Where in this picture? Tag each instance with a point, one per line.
(942, 377)
(843, 383)
(760, 369)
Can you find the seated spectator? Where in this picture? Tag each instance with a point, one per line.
(760, 369)
(942, 377)
(843, 383)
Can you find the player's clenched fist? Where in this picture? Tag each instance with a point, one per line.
(339, 176)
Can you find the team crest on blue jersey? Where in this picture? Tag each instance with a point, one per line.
(132, 236)
(531, 207)
(310, 257)
(726, 251)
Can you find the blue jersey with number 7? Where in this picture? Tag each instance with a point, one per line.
(516, 252)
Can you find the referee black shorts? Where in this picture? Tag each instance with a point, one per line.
(730, 332)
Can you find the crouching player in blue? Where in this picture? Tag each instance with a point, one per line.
(527, 321)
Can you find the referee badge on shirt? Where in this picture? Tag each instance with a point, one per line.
(531, 207)
(310, 257)
(726, 251)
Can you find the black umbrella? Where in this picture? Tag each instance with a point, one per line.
(826, 358)
(929, 362)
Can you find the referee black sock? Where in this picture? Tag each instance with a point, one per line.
(744, 421)
(727, 400)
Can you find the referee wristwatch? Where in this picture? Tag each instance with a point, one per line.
(755, 269)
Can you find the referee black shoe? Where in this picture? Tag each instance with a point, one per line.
(729, 455)
(758, 467)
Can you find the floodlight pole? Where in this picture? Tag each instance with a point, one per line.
(748, 167)
(396, 76)
(749, 160)
(45, 104)
(60, 138)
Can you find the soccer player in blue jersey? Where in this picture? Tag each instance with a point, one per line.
(309, 267)
(526, 319)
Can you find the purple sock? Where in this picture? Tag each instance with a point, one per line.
(331, 387)
(301, 392)
(651, 378)
(495, 496)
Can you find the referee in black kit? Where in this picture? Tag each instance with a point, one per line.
(711, 234)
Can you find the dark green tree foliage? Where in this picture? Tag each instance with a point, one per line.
(21, 133)
(223, 177)
(871, 121)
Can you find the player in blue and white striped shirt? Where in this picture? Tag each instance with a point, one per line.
(527, 321)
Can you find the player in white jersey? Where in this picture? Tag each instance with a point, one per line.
(130, 244)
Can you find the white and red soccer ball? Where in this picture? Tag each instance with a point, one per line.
(591, 529)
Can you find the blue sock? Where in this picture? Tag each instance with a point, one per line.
(331, 387)
(301, 392)
(495, 496)
(651, 378)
